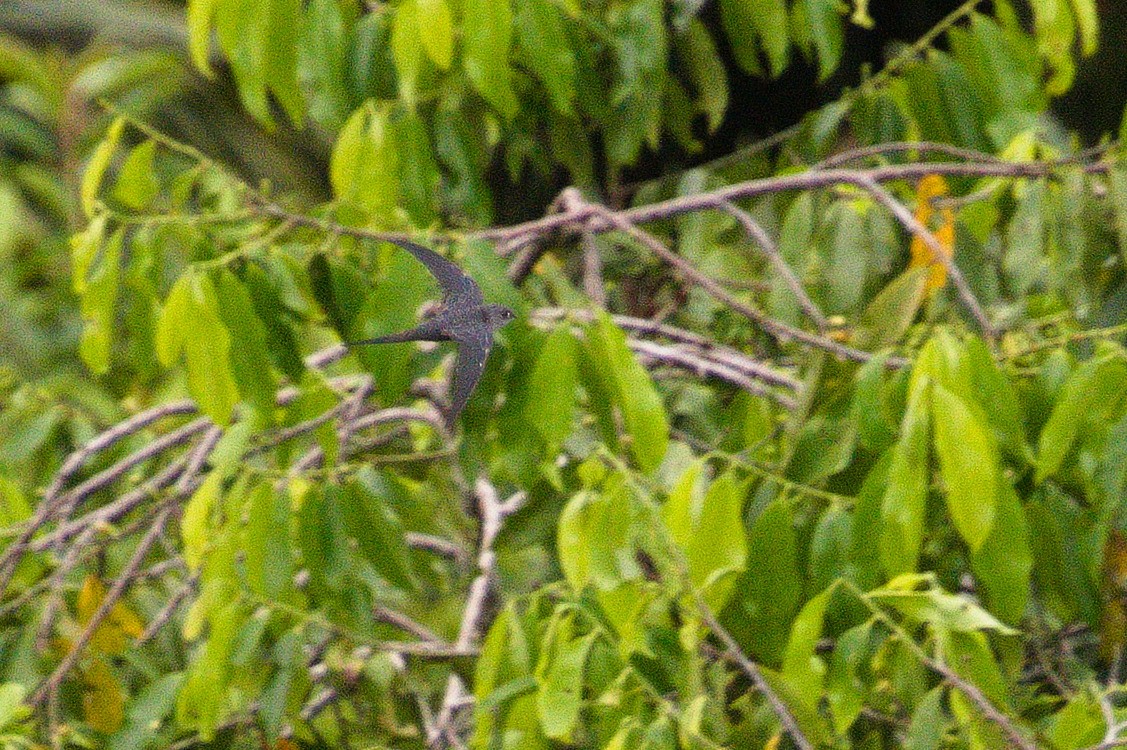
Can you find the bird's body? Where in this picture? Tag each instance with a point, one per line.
(464, 318)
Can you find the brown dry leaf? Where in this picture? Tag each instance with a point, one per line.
(930, 187)
(120, 624)
(103, 703)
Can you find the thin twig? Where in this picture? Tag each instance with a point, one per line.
(755, 231)
(593, 283)
(128, 574)
(735, 654)
(777, 329)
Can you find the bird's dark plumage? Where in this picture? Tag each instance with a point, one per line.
(463, 318)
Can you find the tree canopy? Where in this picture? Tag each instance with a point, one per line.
(817, 439)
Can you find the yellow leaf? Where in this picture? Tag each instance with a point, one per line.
(933, 186)
(103, 704)
(119, 625)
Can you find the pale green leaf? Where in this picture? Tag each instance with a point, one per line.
(1088, 23)
(487, 30)
(436, 31)
(968, 460)
(802, 667)
(560, 694)
(543, 41)
(708, 527)
(904, 501)
(550, 407)
(195, 525)
(199, 33)
(592, 540)
(96, 167)
(136, 184)
(407, 52)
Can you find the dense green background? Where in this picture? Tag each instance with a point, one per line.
(744, 473)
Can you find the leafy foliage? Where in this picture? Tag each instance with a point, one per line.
(858, 485)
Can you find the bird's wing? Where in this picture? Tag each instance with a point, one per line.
(455, 283)
(473, 350)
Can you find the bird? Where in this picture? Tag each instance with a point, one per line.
(463, 317)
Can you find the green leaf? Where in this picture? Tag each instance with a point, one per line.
(1079, 724)
(407, 51)
(277, 692)
(1088, 23)
(848, 261)
(146, 712)
(550, 404)
(1093, 393)
(379, 536)
(280, 64)
(137, 184)
(436, 31)
(810, 721)
(903, 505)
(202, 701)
(189, 324)
(173, 323)
(633, 392)
(970, 655)
(593, 540)
(1004, 563)
(96, 167)
(802, 667)
(770, 588)
(968, 461)
(560, 693)
(195, 525)
(266, 541)
(207, 347)
(795, 239)
(243, 30)
(875, 426)
(998, 398)
(99, 296)
(770, 19)
(949, 612)
(419, 178)
(823, 448)
(824, 17)
(707, 525)
(845, 691)
(829, 547)
(487, 30)
(543, 41)
(250, 359)
(321, 536)
(12, 708)
(926, 729)
(199, 33)
(364, 166)
(887, 318)
(740, 26)
(706, 72)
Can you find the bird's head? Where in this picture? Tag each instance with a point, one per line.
(498, 316)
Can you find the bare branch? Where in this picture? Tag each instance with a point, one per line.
(735, 654)
(779, 330)
(753, 230)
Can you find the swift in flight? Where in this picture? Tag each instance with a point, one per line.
(463, 318)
